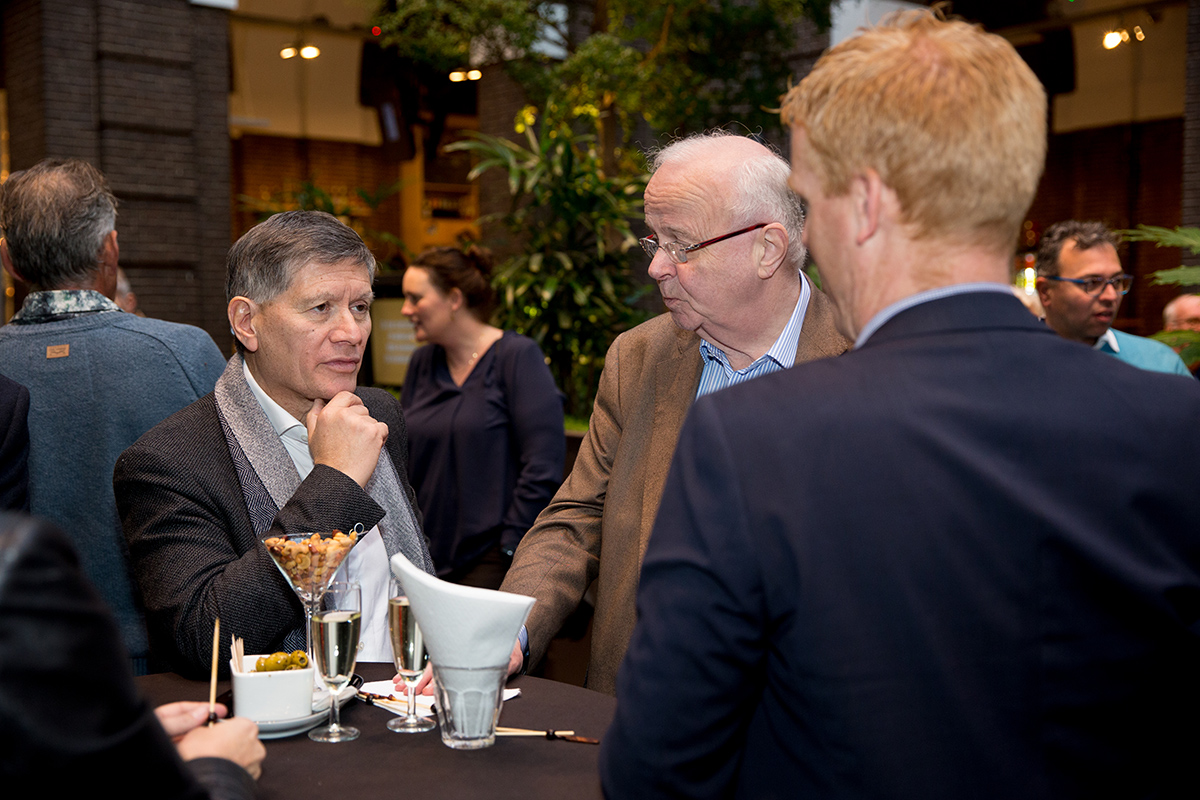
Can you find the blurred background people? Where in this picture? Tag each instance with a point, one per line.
(1080, 283)
(125, 298)
(14, 446)
(1183, 314)
(97, 378)
(71, 719)
(485, 420)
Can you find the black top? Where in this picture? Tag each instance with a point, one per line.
(71, 719)
(485, 457)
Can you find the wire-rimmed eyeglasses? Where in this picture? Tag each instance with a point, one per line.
(1095, 285)
(678, 250)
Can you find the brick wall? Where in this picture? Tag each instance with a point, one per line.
(139, 88)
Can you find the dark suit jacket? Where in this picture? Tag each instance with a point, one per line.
(70, 718)
(191, 543)
(14, 446)
(650, 378)
(961, 561)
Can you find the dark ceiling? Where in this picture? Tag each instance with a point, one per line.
(994, 14)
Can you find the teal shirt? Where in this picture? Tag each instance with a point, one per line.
(1142, 352)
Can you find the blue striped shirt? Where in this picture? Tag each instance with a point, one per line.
(718, 374)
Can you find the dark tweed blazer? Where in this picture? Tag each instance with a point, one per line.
(192, 547)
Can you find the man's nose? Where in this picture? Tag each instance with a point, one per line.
(1109, 293)
(661, 266)
(349, 328)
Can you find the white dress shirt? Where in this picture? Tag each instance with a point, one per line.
(367, 563)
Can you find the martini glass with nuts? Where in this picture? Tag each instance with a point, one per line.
(308, 562)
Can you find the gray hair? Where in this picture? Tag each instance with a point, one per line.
(55, 217)
(262, 263)
(760, 185)
(1172, 307)
(1086, 235)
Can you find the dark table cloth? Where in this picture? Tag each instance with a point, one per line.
(381, 763)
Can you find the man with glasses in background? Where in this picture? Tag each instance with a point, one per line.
(726, 254)
(1080, 283)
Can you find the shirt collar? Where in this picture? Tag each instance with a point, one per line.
(58, 304)
(1107, 339)
(280, 419)
(876, 322)
(783, 352)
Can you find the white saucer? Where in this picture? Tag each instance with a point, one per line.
(290, 727)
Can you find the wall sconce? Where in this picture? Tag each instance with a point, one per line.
(308, 51)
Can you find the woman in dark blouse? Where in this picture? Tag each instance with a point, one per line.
(485, 421)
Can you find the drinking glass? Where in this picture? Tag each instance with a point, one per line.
(308, 562)
(408, 652)
(335, 628)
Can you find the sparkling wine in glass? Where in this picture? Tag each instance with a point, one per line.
(335, 629)
(408, 652)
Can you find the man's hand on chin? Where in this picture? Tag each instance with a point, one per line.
(342, 434)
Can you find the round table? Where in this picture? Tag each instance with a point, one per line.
(399, 763)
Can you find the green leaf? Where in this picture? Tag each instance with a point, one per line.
(1182, 276)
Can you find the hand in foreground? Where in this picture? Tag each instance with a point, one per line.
(342, 434)
(234, 739)
(179, 718)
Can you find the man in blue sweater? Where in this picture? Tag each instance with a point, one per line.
(98, 378)
(1080, 283)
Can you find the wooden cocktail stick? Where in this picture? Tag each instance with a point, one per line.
(212, 686)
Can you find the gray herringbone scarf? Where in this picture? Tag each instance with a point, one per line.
(269, 478)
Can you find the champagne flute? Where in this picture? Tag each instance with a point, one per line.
(335, 628)
(408, 652)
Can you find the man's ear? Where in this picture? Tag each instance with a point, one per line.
(774, 250)
(867, 195)
(7, 260)
(1043, 290)
(108, 262)
(243, 320)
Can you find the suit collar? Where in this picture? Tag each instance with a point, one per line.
(976, 311)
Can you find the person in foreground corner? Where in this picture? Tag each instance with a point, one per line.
(726, 255)
(71, 719)
(986, 581)
(284, 444)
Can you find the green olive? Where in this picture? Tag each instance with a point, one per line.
(277, 661)
(261, 664)
(299, 659)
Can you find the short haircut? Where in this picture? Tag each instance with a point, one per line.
(55, 217)
(1086, 235)
(950, 117)
(1172, 307)
(468, 271)
(760, 194)
(261, 263)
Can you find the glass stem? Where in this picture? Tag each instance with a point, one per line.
(308, 645)
(334, 710)
(412, 699)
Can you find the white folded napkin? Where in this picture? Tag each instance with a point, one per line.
(463, 626)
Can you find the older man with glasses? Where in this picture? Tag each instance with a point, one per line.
(1080, 283)
(726, 254)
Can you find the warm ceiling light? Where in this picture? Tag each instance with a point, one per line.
(1138, 33)
(457, 76)
(309, 51)
(474, 75)
(1112, 39)
(287, 52)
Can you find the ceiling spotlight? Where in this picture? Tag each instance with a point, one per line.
(474, 75)
(1113, 38)
(1138, 33)
(288, 52)
(458, 76)
(310, 51)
